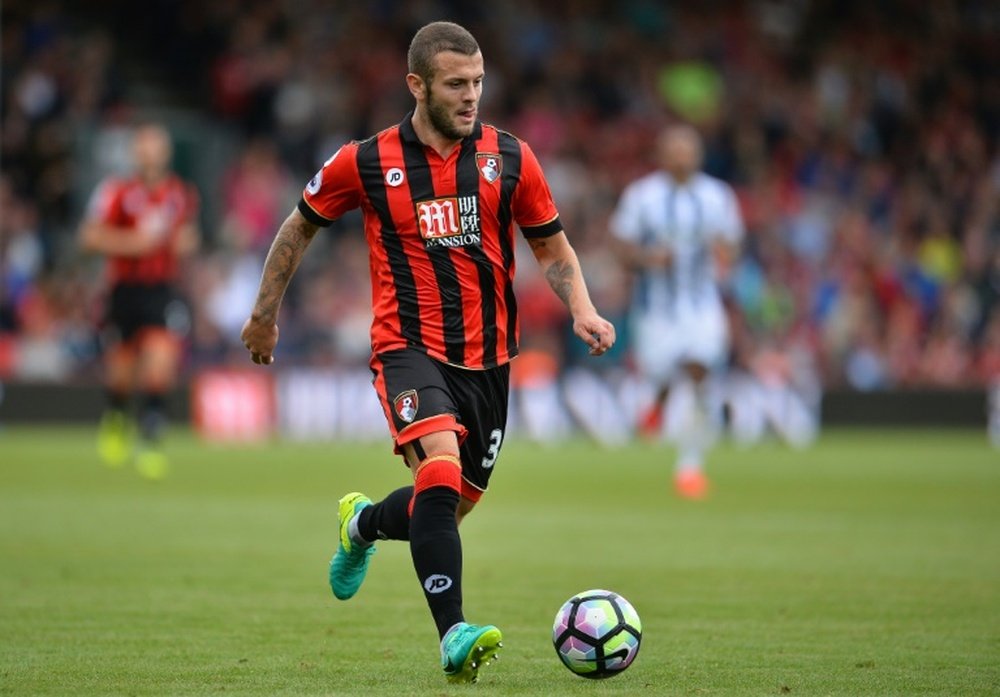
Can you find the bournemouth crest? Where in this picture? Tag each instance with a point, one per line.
(490, 165)
(405, 405)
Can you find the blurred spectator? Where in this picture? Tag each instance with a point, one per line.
(258, 194)
(861, 139)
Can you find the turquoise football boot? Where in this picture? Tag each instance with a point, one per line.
(350, 563)
(468, 647)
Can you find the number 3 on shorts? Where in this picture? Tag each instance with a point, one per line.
(496, 438)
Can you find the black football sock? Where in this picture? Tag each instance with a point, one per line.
(153, 419)
(436, 549)
(389, 519)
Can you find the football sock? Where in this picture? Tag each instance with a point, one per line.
(153, 419)
(698, 433)
(389, 519)
(689, 460)
(435, 544)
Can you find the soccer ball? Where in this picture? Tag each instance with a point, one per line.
(597, 634)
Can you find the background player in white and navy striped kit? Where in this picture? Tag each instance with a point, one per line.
(679, 229)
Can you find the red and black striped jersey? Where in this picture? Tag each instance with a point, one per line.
(128, 204)
(440, 234)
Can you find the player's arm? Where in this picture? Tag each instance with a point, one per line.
(100, 232)
(187, 241)
(627, 227)
(187, 238)
(102, 238)
(725, 254)
(639, 257)
(260, 331)
(561, 267)
(726, 242)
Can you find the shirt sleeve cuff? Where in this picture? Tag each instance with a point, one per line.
(548, 229)
(312, 216)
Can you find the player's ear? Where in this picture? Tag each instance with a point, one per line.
(418, 88)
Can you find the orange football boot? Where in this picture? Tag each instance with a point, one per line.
(691, 484)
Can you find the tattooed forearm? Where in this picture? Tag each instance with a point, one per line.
(560, 274)
(561, 267)
(286, 252)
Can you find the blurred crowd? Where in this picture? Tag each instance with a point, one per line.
(861, 139)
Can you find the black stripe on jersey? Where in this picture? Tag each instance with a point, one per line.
(418, 171)
(510, 151)
(370, 171)
(467, 180)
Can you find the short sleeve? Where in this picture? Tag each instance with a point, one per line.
(334, 190)
(626, 219)
(105, 203)
(532, 205)
(730, 226)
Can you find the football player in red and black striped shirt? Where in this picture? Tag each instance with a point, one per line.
(441, 194)
(143, 224)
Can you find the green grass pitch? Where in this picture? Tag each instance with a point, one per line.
(866, 565)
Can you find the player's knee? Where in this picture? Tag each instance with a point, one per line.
(696, 371)
(438, 470)
(445, 442)
(465, 506)
(160, 358)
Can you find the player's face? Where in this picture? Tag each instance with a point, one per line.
(452, 98)
(151, 151)
(680, 152)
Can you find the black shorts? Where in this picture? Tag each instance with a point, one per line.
(421, 395)
(133, 307)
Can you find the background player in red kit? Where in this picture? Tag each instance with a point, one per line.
(441, 193)
(143, 224)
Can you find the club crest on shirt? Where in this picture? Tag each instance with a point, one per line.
(405, 405)
(490, 165)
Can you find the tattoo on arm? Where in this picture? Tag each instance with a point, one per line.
(286, 252)
(560, 277)
(559, 271)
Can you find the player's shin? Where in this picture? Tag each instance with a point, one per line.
(389, 519)
(153, 418)
(435, 544)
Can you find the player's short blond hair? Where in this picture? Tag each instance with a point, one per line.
(433, 39)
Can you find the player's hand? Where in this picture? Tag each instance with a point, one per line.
(655, 259)
(597, 332)
(153, 229)
(260, 338)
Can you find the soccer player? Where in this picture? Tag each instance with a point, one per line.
(143, 224)
(678, 229)
(440, 193)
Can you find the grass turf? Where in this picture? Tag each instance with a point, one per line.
(867, 565)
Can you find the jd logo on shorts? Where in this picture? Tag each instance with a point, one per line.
(437, 583)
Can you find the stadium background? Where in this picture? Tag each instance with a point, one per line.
(861, 139)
